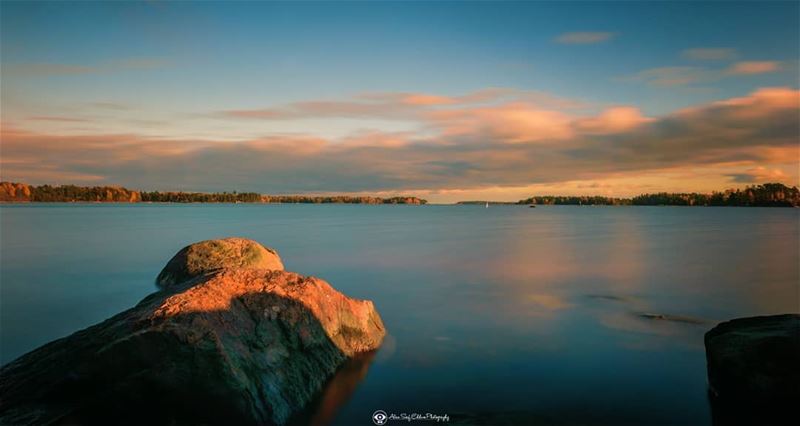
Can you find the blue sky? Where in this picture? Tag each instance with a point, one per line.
(169, 70)
(242, 52)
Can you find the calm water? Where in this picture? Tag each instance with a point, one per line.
(532, 314)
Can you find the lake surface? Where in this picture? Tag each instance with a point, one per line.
(527, 315)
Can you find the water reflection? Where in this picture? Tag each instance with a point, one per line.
(336, 392)
(500, 310)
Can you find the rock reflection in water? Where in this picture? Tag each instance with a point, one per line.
(336, 392)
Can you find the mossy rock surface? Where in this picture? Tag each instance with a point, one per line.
(211, 256)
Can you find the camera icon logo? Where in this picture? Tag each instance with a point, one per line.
(379, 417)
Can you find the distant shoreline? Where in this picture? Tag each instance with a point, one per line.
(765, 195)
(459, 203)
(14, 192)
(82, 202)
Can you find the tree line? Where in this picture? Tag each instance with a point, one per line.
(765, 195)
(20, 192)
(10, 191)
(254, 197)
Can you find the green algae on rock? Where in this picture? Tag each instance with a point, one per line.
(211, 256)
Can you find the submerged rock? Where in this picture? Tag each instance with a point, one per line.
(672, 318)
(754, 369)
(242, 343)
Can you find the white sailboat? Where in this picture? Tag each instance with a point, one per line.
(487, 204)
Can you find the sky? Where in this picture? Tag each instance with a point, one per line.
(441, 99)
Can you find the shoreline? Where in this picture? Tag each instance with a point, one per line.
(763, 195)
(456, 204)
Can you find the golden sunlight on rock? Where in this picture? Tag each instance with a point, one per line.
(231, 331)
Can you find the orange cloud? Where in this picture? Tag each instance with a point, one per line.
(689, 75)
(779, 155)
(422, 99)
(512, 144)
(763, 102)
(777, 97)
(759, 174)
(515, 122)
(613, 120)
(753, 67)
(377, 139)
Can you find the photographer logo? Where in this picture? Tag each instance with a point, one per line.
(379, 417)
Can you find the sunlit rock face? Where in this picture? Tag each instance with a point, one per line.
(244, 343)
(199, 259)
(754, 370)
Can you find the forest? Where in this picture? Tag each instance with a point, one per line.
(765, 195)
(20, 192)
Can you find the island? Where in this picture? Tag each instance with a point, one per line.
(765, 195)
(15, 192)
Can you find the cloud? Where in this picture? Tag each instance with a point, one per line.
(509, 144)
(423, 99)
(45, 69)
(394, 105)
(709, 54)
(758, 174)
(585, 37)
(514, 122)
(373, 105)
(332, 109)
(614, 120)
(754, 67)
(56, 118)
(690, 75)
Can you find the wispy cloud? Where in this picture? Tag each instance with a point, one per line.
(394, 105)
(754, 67)
(55, 118)
(586, 37)
(692, 75)
(709, 54)
(331, 109)
(758, 174)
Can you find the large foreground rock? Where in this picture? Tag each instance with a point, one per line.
(754, 370)
(238, 344)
